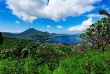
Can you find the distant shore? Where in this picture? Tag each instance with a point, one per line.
(47, 40)
(59, 36)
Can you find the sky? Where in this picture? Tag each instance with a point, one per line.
(53, 16)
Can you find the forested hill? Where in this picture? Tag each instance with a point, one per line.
(29, 33)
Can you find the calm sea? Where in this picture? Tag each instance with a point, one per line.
(72, 39)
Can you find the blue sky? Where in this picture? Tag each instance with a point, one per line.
(54, 16)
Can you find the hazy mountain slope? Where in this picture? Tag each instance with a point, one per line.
(29, 33)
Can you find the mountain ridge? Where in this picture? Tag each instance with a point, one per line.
(29, 33)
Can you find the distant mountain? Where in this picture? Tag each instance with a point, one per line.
(34, 32)
(53, 34)
(29, 33)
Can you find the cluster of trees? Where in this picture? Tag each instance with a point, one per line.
(1, 38)
(99, 33)
(25, 56)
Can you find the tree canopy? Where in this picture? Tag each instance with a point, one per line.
(98, 33)
(1, 38)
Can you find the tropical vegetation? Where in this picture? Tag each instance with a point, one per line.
(25, 56)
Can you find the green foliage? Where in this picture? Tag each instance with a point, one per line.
(98, 33)
(1, 38)
(103, 12)
(29, 65)
(59, 71)
(44, 69)
(18, 56)
(10, 65)
(90, 62)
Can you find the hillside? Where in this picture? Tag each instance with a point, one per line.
(29, 33)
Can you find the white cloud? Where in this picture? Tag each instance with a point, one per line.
(59, 27)
(96, 15)
(82, 27)
(93, 15)
(17, 22)
(29, 10)
(48, 26)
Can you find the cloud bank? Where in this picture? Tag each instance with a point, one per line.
(29, 10)
(82, 27)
